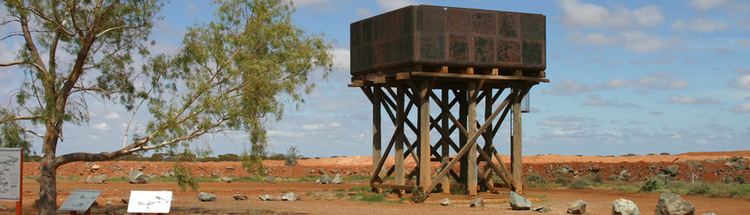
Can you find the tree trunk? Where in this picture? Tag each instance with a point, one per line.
(48, 171)
(47, 187)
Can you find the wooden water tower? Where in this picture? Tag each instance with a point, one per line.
(431, 68)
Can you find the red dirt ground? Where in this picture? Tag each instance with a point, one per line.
(714, 168)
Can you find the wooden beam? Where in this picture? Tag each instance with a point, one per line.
(425, 177)
(516, 157)
(445, 137)
(488, 135)
(376, 130)
(399, 153)
(463, 112)
(471, 141)
(472, 156)
(480, 77)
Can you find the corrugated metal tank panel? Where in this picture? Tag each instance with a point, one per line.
(433, 35)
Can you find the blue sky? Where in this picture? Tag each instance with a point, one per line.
(626, 77)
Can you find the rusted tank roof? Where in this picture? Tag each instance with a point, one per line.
(448, 36)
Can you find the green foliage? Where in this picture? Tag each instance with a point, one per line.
(563, 179)
(292, 156)
(184, 177)
(371, 197)
(12, 135)
(580, 183)
(253, 165)
(653, 184)
(229, 157)
(535, 180)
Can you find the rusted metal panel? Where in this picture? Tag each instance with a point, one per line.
(445, 36)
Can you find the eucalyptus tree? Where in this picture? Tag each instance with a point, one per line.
(232, 73)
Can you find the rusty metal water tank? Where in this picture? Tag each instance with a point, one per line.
(447, 36)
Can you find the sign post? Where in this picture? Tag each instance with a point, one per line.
(11, 176)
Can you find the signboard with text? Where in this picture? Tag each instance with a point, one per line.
(149, 201)
(10, 174)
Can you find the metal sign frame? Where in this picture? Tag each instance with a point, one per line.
(80, 201)
(12, 165)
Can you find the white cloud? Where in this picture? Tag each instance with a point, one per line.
(651, 82)
(363, 12)
(743, 82)
(101, 126)
(688, 100)
(742, 108)
(112, 115)
(567, 87)
(636, 41)
(395, 4)
(699, 25)
(706, 4)
(341, 59)
(641, 42)
(321, 126)
(656, 81)
(579, 14)
(594, 100)
(316, 3)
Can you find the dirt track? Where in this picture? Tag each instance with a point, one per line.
(187, 203)
(713, 168)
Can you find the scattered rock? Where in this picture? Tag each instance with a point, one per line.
(624, 207)
(445, 202)
(710, 213)
(577, 207)
(518, 202)
(541, 209)
(265, 197)
(623, 175)
(337, 179)
(565, 170)
(270, 179)
(673, 204)
(312, 171)
(230, 168)
(671, 170)
(290, 196)
(239, 197)
(321, 171)
(95, 167)
(137, 177)
(124, 200)
(3, 208)
(226, 179)
(324, 179)
(477, 203)
(109, 203)
(96, 179)
(206, 197)
(169, 173)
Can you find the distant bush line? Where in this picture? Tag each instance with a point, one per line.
(159, 157)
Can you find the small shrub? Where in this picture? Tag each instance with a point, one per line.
(458, 189)
(535, 180)
(629, 155)
(579, 184)
(653, 184)
(563, 180)
(664, 153)
(699, 189)
(184, 177)
(377, 197)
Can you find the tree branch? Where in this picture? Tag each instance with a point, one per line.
(137, 146)
(19, 118)
(11, 64)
